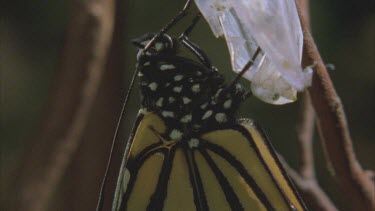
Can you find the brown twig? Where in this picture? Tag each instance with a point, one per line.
(305, 137)
(305, 179)
(310, 190)
(83, 58)
(333, 128)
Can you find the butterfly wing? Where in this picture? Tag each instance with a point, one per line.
(142, 138)
(156, 177)
(248, 171)
(232, 168)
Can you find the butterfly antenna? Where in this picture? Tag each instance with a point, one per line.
(104, 182)
(169, 25)
(245, 68)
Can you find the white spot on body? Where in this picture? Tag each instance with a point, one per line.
(140, 74)
(196, 126)
(158, 46)
(178, 77)
(186, 100)
(167, 114)
(175, 134)
(145, 42)
(153, 86)
(203, 106)
(227, 104)
(221, 117)
(196, 88)
(171, 99)
(177, 89)
(193, 143)
(186, 118)
(167, 67)
(159, 102)
(218, 93)
(142, 111)
(207, 114)
(147, 64)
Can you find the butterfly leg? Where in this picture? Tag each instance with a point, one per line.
(170, 24)
(245, 68)
(199, 53)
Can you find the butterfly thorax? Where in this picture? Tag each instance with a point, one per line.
(189, 96)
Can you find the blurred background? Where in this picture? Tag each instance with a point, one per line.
(33, 34)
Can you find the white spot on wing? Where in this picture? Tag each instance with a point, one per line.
(147, 64)
(167, 67)
(126, 178)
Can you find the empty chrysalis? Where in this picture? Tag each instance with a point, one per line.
(272, 25)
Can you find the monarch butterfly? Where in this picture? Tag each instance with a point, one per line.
(188, 151)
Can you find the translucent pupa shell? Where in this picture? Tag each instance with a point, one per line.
(272, 25)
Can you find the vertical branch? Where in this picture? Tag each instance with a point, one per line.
(83, 178)
(305, 179)
(333, 128)
(82, 61)
(305, 138)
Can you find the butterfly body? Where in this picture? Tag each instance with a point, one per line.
(188, 150)
(186, 94)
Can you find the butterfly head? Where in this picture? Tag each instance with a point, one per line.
(162, 45)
